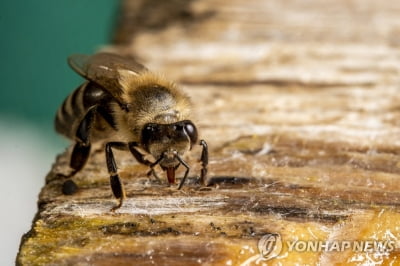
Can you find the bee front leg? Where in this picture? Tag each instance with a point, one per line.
(152, 171)
(186, 172)
(115, 181)
(81, 151)
(140, 158)
(204, 161)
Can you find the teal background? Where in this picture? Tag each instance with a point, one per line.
(36, 38)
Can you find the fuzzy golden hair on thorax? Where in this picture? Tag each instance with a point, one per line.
(152, 99)
(131, 81)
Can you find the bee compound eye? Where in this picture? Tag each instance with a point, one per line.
(148, 133)
(178, 127)
(191, 131)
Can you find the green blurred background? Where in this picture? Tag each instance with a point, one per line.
(36, 38)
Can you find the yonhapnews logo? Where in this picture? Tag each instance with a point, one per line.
(271, 245)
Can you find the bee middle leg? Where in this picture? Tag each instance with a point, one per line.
(115, 181)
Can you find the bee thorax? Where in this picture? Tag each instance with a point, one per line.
(167, 118)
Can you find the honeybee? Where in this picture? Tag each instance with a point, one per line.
(127, 107)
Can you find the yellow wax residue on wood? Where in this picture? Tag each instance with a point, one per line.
(373, 237)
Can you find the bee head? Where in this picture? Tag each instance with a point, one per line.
(168, 140)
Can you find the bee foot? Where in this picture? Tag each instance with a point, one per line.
(113, 209)
(69, 187)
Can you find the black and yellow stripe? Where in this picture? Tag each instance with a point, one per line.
(77, 105)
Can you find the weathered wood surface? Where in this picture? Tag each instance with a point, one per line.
(299, 102)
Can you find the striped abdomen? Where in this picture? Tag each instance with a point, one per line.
(77, 104)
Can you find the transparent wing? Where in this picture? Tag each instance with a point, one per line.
(102, 69)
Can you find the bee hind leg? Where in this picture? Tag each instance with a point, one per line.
(79, 157)
(81, 151)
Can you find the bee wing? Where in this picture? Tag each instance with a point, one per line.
(103, 69)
